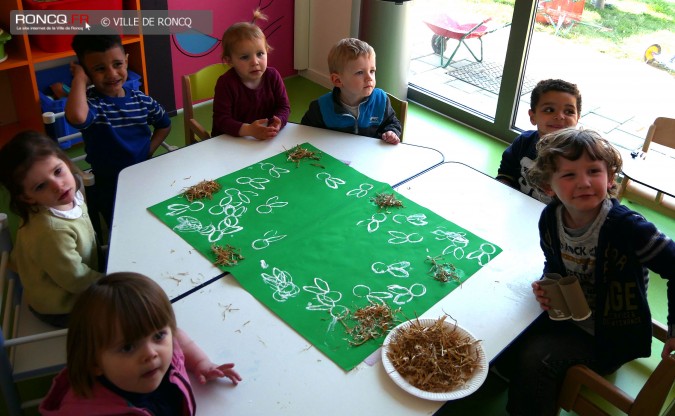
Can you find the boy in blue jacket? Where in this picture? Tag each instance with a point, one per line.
(355, 105)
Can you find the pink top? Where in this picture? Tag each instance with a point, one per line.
(62, 401)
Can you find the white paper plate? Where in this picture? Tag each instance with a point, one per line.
(469, 387)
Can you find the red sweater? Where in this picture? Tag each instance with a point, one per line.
(235, 104)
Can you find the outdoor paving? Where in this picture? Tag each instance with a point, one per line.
(621, 98)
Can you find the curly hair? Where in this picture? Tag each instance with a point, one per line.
(571, 144)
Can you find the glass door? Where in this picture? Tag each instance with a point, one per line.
(621, 54)
(459, 48)
(618, 56)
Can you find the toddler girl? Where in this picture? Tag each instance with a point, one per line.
(126, 356)
(250, 99)
(55, 253)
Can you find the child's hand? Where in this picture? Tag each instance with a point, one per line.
(78, 72)
(260, 130)
(390, 137)
(539, 294)
(77, 107)
(276, 123)
(207, 371)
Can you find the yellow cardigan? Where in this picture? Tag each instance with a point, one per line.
(56, 259)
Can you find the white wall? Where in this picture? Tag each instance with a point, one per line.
(319, 24)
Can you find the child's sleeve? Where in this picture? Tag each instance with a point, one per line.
(91, 115)
(656, 251)
(57, 254)
(223, 109)
(547, 225)
(509, 167)
(313, 116)
(157, 117)
(390, 122)
(283, 105)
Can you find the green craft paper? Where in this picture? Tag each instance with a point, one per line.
(315, 246)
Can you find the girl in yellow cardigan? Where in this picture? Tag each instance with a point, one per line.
(55, 253)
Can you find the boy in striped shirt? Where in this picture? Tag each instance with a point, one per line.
(115, 120)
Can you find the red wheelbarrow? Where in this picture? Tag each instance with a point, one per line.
(445, 27)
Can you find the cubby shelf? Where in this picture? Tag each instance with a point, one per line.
(19, 99)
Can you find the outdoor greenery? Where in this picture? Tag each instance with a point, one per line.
(630, 22)
(622, 29)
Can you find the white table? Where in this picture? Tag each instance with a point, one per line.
(496, 304)
(284, 375)
(652, 169)
(140, 242)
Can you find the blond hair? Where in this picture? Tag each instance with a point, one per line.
(125, 303)
(243, 31)
(347, 49)
(571, 144)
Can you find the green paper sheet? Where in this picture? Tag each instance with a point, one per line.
(316, 246)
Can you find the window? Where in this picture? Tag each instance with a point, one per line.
(601, 50)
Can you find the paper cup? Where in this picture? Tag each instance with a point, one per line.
(558, 307)
(574, 296)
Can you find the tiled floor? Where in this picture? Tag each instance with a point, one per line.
(648, 92)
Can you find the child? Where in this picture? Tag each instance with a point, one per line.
(354, 105)
(609, 248)
(554, 104)
(55, 253)
(250, 99)
(126, 356)
(115, 121)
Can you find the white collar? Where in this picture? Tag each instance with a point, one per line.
(75, 212)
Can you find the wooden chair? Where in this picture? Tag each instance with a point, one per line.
(198, 87)
(649, 401)
(662, 131)
(401, 110)
(29, 348)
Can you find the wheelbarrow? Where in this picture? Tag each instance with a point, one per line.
(445, 28)
(652, 57)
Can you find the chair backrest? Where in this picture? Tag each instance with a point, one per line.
(401, 109)
(198, 87)
(662, 131)
(653, 394)
(649, 401)
(28, 347)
